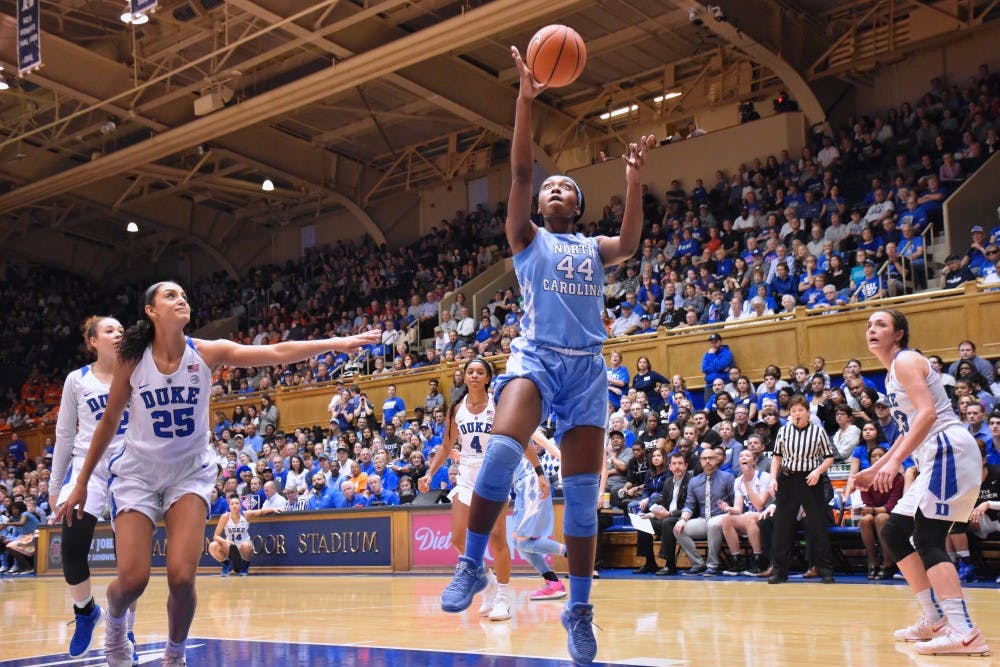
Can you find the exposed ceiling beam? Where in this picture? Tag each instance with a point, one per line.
(418, 47)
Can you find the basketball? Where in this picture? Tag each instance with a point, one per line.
(556, 55)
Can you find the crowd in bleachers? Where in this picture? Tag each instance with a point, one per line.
(843, 221)
(660, 441)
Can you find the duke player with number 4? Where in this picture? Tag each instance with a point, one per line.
(555, 366)
(470, 421)
(84, 400)
(166, 470)
(943, 495)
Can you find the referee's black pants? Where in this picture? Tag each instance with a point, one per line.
(793, 492)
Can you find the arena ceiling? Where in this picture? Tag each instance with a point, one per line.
(176, 123)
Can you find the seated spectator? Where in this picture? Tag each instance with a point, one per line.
(874, 513)
(664, 511)
(378, 496)
(407, 492)
(618, 457)
(626, 323)
(870, 287)
(953, 274)
(702, 514)
(349, 497)
(751, 494)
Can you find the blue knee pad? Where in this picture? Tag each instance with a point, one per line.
(503, 456)
(580, 492)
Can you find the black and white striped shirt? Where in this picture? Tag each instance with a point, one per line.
(802, 450)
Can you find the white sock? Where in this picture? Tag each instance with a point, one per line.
(963, 554)
(929, 605)
(957, 613)
(131, 620)
(178, 648)
(117, 622)
(80, 604)
(503, 589)
(952, 556)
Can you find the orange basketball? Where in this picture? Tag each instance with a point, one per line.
(556, 55)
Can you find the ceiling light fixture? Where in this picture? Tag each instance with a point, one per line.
(267, 185)
(619, 112)
(668, 96)
(131, 227)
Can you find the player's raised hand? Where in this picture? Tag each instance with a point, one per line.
(635, 158)
(354, 343)
(530, 89)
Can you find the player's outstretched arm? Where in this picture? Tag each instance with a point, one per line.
(616, 249)
(520, 229)
(227, 352)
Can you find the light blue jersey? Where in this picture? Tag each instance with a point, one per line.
(562, 280)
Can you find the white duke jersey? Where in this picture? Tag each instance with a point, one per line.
(902, 408)
(84, 400)
(474, 431)
(169, 413)
(237, 531)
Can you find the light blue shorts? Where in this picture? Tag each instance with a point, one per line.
(573, 383)
(533, 516)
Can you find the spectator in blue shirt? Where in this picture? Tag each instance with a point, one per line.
(221, 424)
(485, 329)
(377, 496)
(17, 448)
(782, 283)
(349, 497)
(911, 246)
(975, 257)
(392, 405)
(390, 480)
(688, 246)
(812, 296)
(649, 289)
(322, 497)
(716, 362)
(871, 285)
(618, 379)
(278, 469)
(913, 215)
(932, 200)
(253, 439)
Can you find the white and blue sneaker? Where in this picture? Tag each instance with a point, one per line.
(118, 650)
(469, 579)
(83, 634)
(135, 653)
(578, 620)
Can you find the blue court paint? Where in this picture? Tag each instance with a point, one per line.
(228, 652)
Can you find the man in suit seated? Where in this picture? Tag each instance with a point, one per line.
(663, 512)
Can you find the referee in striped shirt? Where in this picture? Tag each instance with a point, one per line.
(802, 454)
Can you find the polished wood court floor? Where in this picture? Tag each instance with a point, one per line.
(643, 621)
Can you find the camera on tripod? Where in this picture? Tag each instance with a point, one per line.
(748, 112)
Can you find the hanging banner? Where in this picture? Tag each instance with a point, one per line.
(29, 30)
(142, 6)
